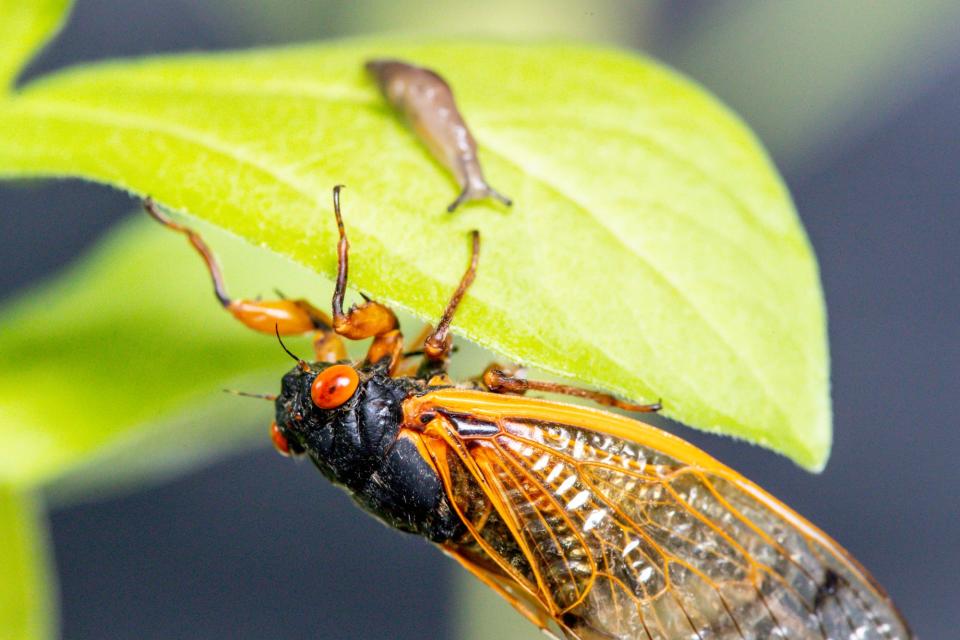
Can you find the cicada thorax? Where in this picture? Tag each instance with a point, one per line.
(616, 529)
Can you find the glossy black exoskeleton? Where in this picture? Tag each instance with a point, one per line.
(357, 447)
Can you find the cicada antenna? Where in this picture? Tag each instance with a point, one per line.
(300, 361)
(246, 394)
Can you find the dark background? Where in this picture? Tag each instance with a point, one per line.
(255, 547)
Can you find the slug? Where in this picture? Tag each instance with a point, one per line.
(426, 101)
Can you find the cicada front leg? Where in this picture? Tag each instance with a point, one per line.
(500, 379)
(370, 319)
(282, 317)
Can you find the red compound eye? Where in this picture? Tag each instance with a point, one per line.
(279, 440)
(334, 385)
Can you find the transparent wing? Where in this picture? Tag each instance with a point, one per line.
(647, 537)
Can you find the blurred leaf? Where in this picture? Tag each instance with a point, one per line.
(602, 20)
(482, 614)
(26, 607)
(284, 21)
(809, 75)
(118, 366)
(24, 28)
(653, 249)
(138, 454)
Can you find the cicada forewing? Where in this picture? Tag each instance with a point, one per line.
(616, 529)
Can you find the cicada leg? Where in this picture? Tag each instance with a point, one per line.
(407, 366)
(283, 317)
(506, 589)
(433, 371)
(370, 319)
(500, 379)
(439, 343)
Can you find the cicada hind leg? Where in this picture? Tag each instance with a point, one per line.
(500, 379)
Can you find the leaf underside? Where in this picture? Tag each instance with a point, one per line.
(652, 251)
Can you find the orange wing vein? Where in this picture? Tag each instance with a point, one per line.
(621, 530)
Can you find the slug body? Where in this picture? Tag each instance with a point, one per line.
(426, 101)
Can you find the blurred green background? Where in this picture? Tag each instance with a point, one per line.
(857, 102)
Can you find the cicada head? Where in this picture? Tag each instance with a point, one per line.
(340, 415)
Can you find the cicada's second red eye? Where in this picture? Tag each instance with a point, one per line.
(280, 441)
(334, 385)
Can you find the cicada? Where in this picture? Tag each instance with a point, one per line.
(590, 524)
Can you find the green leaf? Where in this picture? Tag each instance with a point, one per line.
(25, 26)
(26, 602)
(652, 251)
(117, 368)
